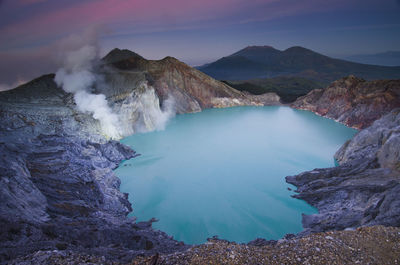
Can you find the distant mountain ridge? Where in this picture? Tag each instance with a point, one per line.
(266, 62)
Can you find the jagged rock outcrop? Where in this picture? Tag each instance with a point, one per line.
(59, 192)
(191, 89)
(367, 245)
(363, 190)
(353, 101)
(57, 187)
(379, 142)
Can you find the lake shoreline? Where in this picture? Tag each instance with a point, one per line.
(270, 143)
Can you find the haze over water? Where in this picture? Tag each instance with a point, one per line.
(222, 171)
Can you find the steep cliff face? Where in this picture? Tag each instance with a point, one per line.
(190, 89)
(57, 187)
(353, 101)
(363, 190)
(59, 192)
(379, 142)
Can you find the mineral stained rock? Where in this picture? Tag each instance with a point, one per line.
(353, 101)
(191, 89)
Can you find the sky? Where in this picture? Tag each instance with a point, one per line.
(33, 33)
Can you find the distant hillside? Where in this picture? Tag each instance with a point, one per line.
(266, 62)
(391, 58)
(287, 88)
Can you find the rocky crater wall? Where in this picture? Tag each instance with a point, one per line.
(353, 101)
(58, 191)
(363, 190)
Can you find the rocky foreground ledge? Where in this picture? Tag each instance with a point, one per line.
(367, 245)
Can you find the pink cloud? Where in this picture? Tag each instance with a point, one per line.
(132, 12)
(30, 2)
(133, 16)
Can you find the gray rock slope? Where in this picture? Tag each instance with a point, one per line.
(57, 187)
(364, 189)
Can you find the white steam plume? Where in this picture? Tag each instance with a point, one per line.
(77, 77)
(153, 117)
(140, 112)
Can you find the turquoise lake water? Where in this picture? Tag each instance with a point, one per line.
(222, 171)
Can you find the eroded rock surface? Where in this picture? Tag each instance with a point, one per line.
(364, 189)
(353, 101)
(59, 192)
(191, 89)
